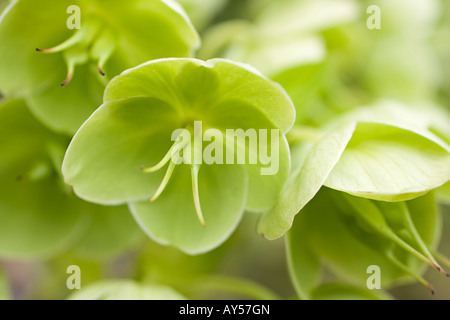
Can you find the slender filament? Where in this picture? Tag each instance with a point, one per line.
(405, 269)
(176, 147)
(198, 209)
(164, 182)
(420, 256)
(76, 38)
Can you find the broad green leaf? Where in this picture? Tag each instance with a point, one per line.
(176, 81)
(125, 290)
(4, 286)
(385, 162)
(344, 292)
(37, 216)
(305, 182)
(172, 219)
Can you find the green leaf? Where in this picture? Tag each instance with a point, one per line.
(388, 163)
(125, 290)
(172, 218)
(305, 182)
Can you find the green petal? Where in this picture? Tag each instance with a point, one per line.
(345, 246)
(104, 158)
(37, 216)
(64, 109)
(172, 218)
(125, 290)
(139, 23)
(110, 231)
(320, 237)
(24, 26)
(389, 163)
(263, 188)
(305, 181)
(132, 37)
(303, 263)
(187, 83)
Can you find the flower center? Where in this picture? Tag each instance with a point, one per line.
(91, 42)
(174, 157)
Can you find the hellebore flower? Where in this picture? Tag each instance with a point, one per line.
(39, 53)
(39, 216)
(349, 235)
(116, 155)
(363, 195)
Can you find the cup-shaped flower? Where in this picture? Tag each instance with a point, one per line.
(381, 161)
(218, 126)
(39, 215)
(381, 212)
(80, 45)
(352, 237)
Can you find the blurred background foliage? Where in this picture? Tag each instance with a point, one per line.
(323, 54)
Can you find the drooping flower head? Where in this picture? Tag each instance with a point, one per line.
(80, 45)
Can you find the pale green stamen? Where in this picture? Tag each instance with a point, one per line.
(198, 209)
(164, 182)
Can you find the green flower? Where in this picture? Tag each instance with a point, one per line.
(114, 35)
(381, 210)
(134, 128)
(39, 215)
(347, 235)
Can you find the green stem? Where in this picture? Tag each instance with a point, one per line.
(300, 133)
